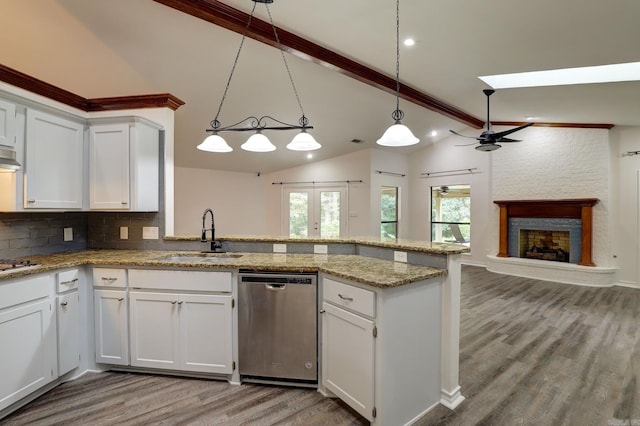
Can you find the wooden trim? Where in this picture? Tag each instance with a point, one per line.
(39, 87)
(546, 124)
(235, 20)
(579, 208)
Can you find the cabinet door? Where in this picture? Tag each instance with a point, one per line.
(109, 167)
(348, 358)
(68, 317)
(7, 123)
(154, 330)
(27, 360)
(205, 333)
(111, 327)
(53, 162)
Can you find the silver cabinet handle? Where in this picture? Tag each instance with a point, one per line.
(120, 299)
(322, 311)
(64, 303)
(124, 202)
(180, 302)
(70, 281)
(31, 201)
(350, 299)
(173, 302)
(109, 279)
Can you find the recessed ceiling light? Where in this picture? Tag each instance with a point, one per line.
(309, 156)
(566, 76)
(409, 42)
(434, 133)
(531, 118)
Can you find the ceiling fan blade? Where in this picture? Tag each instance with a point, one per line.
(508, 140)
(498, 135)
(464, 136)
(466, 144)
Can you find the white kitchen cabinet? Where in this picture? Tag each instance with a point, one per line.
(348, 357)
(7, 123)
(196, 331)
(111, 319)
(28, 336)
(381, 347)
(124, 161)
(68, 317)
(53, 177)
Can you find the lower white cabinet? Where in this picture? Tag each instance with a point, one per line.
(111, 326)
(28, 336)
(190, 332)
(69, 320)
(348, 357)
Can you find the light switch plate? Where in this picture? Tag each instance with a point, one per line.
(124, 232)
(400, 256)
(320, 248)
(149, 232)
(68, 234)
(279, 248)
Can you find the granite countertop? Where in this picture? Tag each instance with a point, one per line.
(365, 270)
(399, 244)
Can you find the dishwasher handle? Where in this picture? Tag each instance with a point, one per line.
(275, 287)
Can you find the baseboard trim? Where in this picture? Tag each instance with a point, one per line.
(451, 399)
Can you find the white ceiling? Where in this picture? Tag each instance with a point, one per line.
(133, 47)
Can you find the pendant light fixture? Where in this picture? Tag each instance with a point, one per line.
(258, 142)
(398, 134)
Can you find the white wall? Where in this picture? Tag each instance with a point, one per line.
(353, 166)
(444, 156)
(237, 201)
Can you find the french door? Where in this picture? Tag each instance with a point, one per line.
(315, 211)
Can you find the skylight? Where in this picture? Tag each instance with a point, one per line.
(566, 76)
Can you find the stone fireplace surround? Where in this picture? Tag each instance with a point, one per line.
(583, 272)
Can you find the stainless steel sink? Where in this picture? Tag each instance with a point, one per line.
(200, 257)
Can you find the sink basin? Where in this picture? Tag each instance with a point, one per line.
(201, 257)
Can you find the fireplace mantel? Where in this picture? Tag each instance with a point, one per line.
(580, 208)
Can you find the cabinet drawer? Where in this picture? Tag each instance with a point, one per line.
(108, 277)
(354, 298)
(24, 290)
(159, 279)
(67, 280)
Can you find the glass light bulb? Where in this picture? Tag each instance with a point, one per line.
(398, 135)
(214, 143)
(258, 143)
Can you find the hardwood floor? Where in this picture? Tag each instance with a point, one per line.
(532, 353)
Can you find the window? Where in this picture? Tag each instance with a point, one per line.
(314, 212)
(451, 214)
(388, 213)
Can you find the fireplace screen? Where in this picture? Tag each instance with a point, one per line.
(545, 245)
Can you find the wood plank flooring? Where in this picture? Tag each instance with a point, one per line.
(532, 353)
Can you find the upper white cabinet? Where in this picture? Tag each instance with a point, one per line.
(7, 123)
(124, 164)
(53, 175)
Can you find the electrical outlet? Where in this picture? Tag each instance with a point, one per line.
(400, 256)
(68, 234)
(124, 232)
(320, 249)
(279, 248)
(149, 232)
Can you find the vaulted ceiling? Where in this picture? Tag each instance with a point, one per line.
(123, 47)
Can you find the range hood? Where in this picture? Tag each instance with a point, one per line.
(8, 161)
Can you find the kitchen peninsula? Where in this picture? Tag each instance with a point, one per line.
(411, 303)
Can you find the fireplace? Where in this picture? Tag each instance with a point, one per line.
(568, 222)
(545, 245)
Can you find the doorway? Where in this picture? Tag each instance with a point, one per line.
(318, 211)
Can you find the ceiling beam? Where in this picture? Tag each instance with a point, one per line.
(235, 20)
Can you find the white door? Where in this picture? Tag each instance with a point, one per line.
(26, 362)
(68, 332)
(315, 212)
(111, 327)
(109, 167)
(155, 341)
(348, 358)
(206, 333)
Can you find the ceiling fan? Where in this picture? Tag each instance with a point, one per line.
(487, 141)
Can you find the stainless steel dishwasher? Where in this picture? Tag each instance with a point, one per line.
(277, 327)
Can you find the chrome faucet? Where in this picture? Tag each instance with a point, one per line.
(216, 246)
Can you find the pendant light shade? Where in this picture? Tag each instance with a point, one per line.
(398, 135)
(303, 141)
(214, 143)
(258, 143)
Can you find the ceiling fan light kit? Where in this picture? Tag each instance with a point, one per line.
(487, 141)
(259, 142)
(398, 134)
